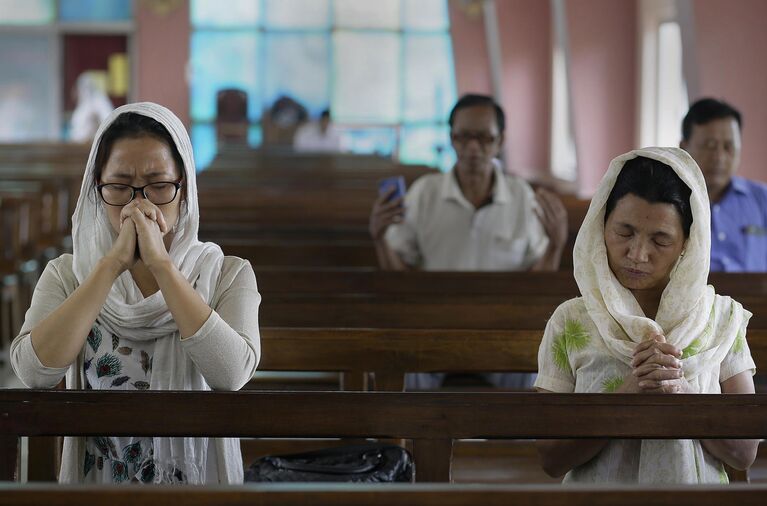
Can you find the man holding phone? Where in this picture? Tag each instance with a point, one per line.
(473, 218)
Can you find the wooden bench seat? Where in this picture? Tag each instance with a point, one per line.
(383, 495)
(432, 420)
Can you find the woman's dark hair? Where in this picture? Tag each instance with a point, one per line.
(654, 182)
(133, 125)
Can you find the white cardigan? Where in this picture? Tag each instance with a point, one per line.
(226, 350)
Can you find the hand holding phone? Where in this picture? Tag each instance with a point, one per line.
(388, 207)
(392, 188)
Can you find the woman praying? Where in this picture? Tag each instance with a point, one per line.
(646, 322)
(142, 304)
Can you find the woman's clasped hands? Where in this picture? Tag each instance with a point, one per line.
(657, 368)
(142, 228)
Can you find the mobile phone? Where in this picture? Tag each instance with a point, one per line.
(396, 182)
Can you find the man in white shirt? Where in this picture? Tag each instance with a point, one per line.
(473, 218)
(317, 137)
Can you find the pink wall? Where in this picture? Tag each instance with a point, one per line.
(525, 27)
(603, 83)
(731, 42)
(469, 50)
(162, 43)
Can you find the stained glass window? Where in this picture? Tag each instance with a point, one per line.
(26, 12)
(298, 65)
(95, 10)
(381, 14)
(297, 14)
(429, 77)
(26, 98)
(224, 60)
(366, 75)
(228, 14)
(426, 15)
(384, 67)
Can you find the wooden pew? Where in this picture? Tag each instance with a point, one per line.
(359, 281)
(383, 495)
(219, 231)
(309, 281)
(302, 252)
(432, 420)
(44, 152)
(390, 353)
(415, 313)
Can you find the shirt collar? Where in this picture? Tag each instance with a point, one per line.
(500, 193)
(739, 184)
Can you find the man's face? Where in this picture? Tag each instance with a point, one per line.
(476, 139)
(715, 146)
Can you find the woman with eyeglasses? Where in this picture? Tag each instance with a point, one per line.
(142, 304)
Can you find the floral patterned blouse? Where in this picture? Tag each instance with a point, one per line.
(574, 359)
(115, 363)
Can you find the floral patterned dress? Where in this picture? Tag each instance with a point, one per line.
(115, 363)
(574, 359)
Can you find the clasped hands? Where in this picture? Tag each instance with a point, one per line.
(656, 368)
(142, 228)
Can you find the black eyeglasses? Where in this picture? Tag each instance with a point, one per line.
(483, 138)
(117, 194)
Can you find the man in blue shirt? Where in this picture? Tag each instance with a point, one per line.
(711, 134)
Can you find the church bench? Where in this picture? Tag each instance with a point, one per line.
(390, 353)
(432, 420)
(302, 252)
(383, 495)
(306, 281)
(424, 312)
(21, 204)
(224, 229)
(44, 152)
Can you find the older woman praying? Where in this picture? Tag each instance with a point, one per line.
(646, 322)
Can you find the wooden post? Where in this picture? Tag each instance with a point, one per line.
(43, 452)
(389, 381)
(354, 381)
(433, 459)
(9, 458)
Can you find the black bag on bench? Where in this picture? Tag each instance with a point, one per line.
(368, 463)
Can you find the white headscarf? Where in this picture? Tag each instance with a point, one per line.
(690, 316)
(126, 312)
